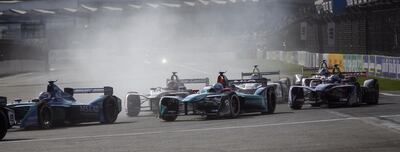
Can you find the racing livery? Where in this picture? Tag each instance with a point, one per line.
(223, 99)
(6, 117)
(57, 107)
(175, 86)
(333, 88)
(282, 85)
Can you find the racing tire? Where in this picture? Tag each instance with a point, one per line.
(286, 81)
(45, 115)
(270, 102)
(315, 104)
(133, 105)
(3, 124)
(357, 98)
(376, 95)
(296, 107)
(110, 110)
(168, 105)
(234, 106)
(155, 105)
(295, 104)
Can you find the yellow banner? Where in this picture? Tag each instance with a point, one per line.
(335, 59)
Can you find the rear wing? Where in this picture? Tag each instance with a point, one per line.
(193, 81)
(243, 81)
(244, 74)
(106, 90)
(357, 74)
(3, 101)
(364, 74)
(311, 69)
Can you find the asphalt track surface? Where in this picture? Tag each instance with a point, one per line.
(364, 128)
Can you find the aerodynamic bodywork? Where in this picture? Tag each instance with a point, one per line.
(282, 85)
(58, 107)
(6, 117)
(333, 88)
(175, 86)
(223, 99)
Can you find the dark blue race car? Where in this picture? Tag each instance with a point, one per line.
(58, 107)
(224, 99)
(6, 117)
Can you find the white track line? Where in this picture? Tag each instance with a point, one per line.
(179, 131)
(390, 94)
(378, 121)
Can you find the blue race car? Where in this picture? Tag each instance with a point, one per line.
(333, 88)
(224, 99)
(6, 117)
(58, 107)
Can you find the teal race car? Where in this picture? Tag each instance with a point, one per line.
(225, 99)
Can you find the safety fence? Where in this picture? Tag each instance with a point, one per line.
(375, 65)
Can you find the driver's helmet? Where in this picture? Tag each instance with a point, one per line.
(218, 87)
(44, 95)
(334, 78)
(256, 76)
(323, 71)
(173, 85)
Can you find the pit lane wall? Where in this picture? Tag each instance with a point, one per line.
(9, 67)
(375, 65)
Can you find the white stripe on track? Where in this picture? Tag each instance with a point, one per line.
(179, 131)
(390, 94)
(379, 121)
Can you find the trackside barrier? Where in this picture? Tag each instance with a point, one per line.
(375, 65)
(20, 66)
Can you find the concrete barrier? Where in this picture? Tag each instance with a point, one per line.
(375, 65)
(9, 67)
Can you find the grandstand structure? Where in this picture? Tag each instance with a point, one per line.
(354, 26)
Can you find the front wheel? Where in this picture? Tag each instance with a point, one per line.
(234, 106)
(296, 107)
(3, 125)
(270, 101)
(45, 116)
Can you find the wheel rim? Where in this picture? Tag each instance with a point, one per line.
(46, 117)
(225, 109)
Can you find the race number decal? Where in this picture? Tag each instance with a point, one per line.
(11, 118)
(87, 108)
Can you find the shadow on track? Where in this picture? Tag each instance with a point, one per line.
(69, 126)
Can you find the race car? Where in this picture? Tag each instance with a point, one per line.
(281, 86)
(6, 117)
(333, 88)
(175, 86)
(223, 99)
(57, 107)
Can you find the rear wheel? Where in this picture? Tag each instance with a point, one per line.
(375, 96)
(168, 109)
(270, 101)
(110, 110)
(45, 115)
(3, 125)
